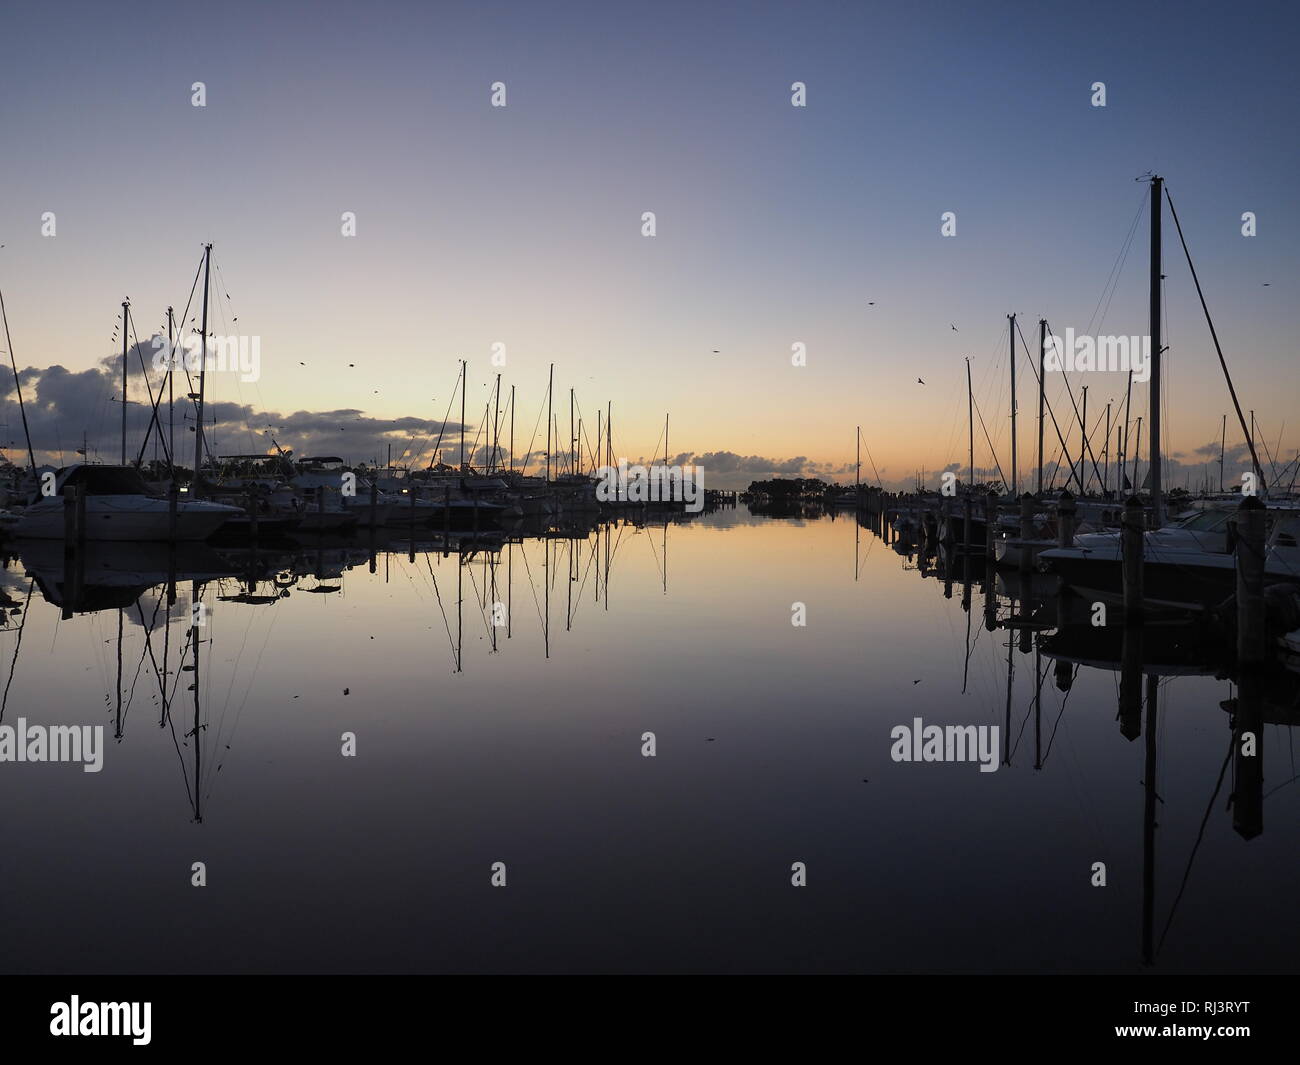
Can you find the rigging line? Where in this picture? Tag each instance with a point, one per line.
(1215, 336)
(487, 626)
(990, 443)
(1046, 402)
(438, 443)
(1065, 699)
(1087, 444)
(31, 454)
(532, 587)
(870, 459)
(1200, 835)
(13, 665)
(1112, 279)
(451, 643)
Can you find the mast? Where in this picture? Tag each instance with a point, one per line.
(573, 454)
(171, 404)
(1105, 477)
(970, 421)
(1042, 384)
(125, 308)
(665, 440)
(496, 425)
(463, 383)
(1137, 454)
(1083, 445)
(1153, 425)
(550, 387)
(609, 461)
(857, 475)
(512, 436)
(1011, 338)
(18, 387)
(1223, 445)
(203, 362)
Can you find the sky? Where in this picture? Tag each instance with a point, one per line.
(775, 225)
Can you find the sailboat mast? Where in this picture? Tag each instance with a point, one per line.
(665, 440)
(1153, 425)
(463, 383)
(1042, 385)
(1223, 445)
(18, 387)
(496, 425)
(125, 308)
(970, 422)
(1011, 338)
(203, 360)
(171, 403)
(857, 475)
(550, 387)
(512, 428)
(573, 454)
(1105, 477)
(1083, 443)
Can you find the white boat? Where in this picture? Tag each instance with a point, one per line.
(1187, 566)
(119, 506)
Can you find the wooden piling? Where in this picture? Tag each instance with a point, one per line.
(1252, 645)
(1026, 533)
(1133, 543)
(1065, 511)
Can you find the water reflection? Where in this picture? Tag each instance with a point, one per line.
(1039, 615)
(499, 685)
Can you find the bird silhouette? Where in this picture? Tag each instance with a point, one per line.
(952, 327)
(919, 381)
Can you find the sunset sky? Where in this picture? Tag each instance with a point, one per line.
(776, 225)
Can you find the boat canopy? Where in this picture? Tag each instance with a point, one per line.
(104, 480)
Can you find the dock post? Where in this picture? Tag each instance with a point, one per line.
(1026, 534)
(410, 551)
(1132, 543)
(1065, 511)
(1252, 643)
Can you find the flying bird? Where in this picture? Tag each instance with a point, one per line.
(919, 381)
(952, 327)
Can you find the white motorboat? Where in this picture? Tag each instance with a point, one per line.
(120, 506)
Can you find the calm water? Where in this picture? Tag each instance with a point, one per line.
(521, 744)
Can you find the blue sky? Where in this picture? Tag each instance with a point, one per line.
(776, 224)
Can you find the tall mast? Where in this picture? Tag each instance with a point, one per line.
(203, 361)
(1223, 444)
(125, 308)
(970, 421)
(857, 475)
(1153, 423)
(18, 386)
(463, 383)
(496, 425)
(665, 440)
(1011, 337)
(512, 428)
(1042, 384)
(1083, 443)
(550, 388)
(1105, 477)
(600, 437)
(573, 454)
(609, 445)
(171, 404)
